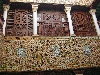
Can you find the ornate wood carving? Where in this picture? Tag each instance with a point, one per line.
(52, 23)
(30, 23)
(83, 24)
(10, 23)
(1, 22)
(19, 23)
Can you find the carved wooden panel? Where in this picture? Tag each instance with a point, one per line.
(30, 23)
(23, 23)
(20, 23)
(83, 24)
(51, 16)
(52, 23)
(10, 23)
(1, 24)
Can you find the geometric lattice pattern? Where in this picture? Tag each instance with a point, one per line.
(19, 23)
(52, 23)
(30, 23)
(83, 24)
(23, 22)
(1, 22)
(10, 23)
(0, 28)
(40, 53)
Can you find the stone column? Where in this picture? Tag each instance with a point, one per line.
(67, 10)
(92, 12)
(6, 8)
(34, 9)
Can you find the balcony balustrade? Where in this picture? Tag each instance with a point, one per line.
(48, 53)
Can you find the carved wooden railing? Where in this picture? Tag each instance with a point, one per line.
(49, 53)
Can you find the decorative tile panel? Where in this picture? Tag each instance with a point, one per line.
(40, 53)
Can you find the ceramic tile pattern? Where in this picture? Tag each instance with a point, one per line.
(40, 52)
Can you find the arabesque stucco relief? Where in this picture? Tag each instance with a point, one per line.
(72, 2)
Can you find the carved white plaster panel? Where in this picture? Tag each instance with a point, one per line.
(73, 2)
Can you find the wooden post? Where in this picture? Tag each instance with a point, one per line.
(92, 12)
(6, 8)
(67, 11)
(34, 9)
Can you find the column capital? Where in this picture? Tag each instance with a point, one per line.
(34, 7)
(6, 7)
(67, 8)
(92, 11)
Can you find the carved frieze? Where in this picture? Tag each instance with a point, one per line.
(49, 53)
(73, 2)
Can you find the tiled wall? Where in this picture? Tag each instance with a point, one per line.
(49, 53)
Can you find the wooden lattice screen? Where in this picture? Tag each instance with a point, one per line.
(10, 23)
(83, 24)
(1, 25)
(52, 23)
(23, 25)
(19, 23)
(1, 22)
